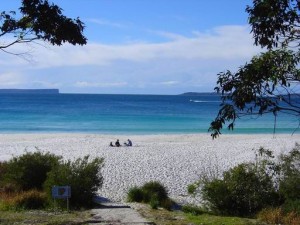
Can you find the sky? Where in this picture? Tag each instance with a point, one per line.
(137, 47)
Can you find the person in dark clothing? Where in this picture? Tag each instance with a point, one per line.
(117, 144)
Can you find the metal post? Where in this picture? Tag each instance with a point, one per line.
(54, 205)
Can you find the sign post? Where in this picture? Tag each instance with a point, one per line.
(62, 192)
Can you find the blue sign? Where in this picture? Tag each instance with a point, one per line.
(61, 191)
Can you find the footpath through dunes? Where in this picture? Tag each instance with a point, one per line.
(117, 214)
(174, 160)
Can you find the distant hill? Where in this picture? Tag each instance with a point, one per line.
(198, 93)
(29, 91)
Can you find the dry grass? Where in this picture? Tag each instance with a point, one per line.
(165, 217)
(38, 217)
(31, 199)
(277, 216)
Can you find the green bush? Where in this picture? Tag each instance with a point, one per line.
(218, 196)
(29, 171)
(135, 194)
(154, 189)
(291, 206)
(243, 191)
(84, 177)
(289, 178)
(154, 202)
(3, 168)
(192, 188)
(250, 187)
(167, 203)
(151, 192)
(289, 187)
(40, 171)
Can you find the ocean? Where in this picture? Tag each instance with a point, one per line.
(124, 114)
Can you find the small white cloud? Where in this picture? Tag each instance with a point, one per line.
(84, 84)
(104, 22)
(46, 84)
(10, 80)
(168, 35)
(170, 83)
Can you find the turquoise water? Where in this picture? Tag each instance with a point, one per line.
(123, 114)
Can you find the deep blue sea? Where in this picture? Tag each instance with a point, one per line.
(123, 114)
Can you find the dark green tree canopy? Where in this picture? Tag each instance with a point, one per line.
(40, 20)
(275, 22)
(270, 82)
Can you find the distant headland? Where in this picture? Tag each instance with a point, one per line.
(198, 93)
(29, 91)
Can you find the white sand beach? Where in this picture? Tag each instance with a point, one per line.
(174, 160)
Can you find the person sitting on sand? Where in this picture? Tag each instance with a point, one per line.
(117, 143)
(129, 143)
(111, 144)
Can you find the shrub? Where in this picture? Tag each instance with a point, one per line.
(249, 187)
(3, 168)
(167, 204)
(84, 177)
(289, 187)
(243, 191)
(289, 178)
(218, 196)
(151, 192)
(292, 206)
(192, 188)
(41, 171)
(154, 189)
(154, 202)
(29, 171)
(135, 194)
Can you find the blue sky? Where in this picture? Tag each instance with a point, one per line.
(137, 47)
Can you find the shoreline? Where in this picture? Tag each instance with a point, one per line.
(176, 160)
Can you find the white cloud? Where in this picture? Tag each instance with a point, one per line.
(189, 63)
(104, 22)
(10, 79)
(84, 84)
(46, 84)
(222, 43)
(170, 83)
(168, 35)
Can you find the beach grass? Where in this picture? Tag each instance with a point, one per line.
(159, 217)
(217, 220)
(38, 217)
(177, 217)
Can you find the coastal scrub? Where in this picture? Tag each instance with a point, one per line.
(27, 180)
